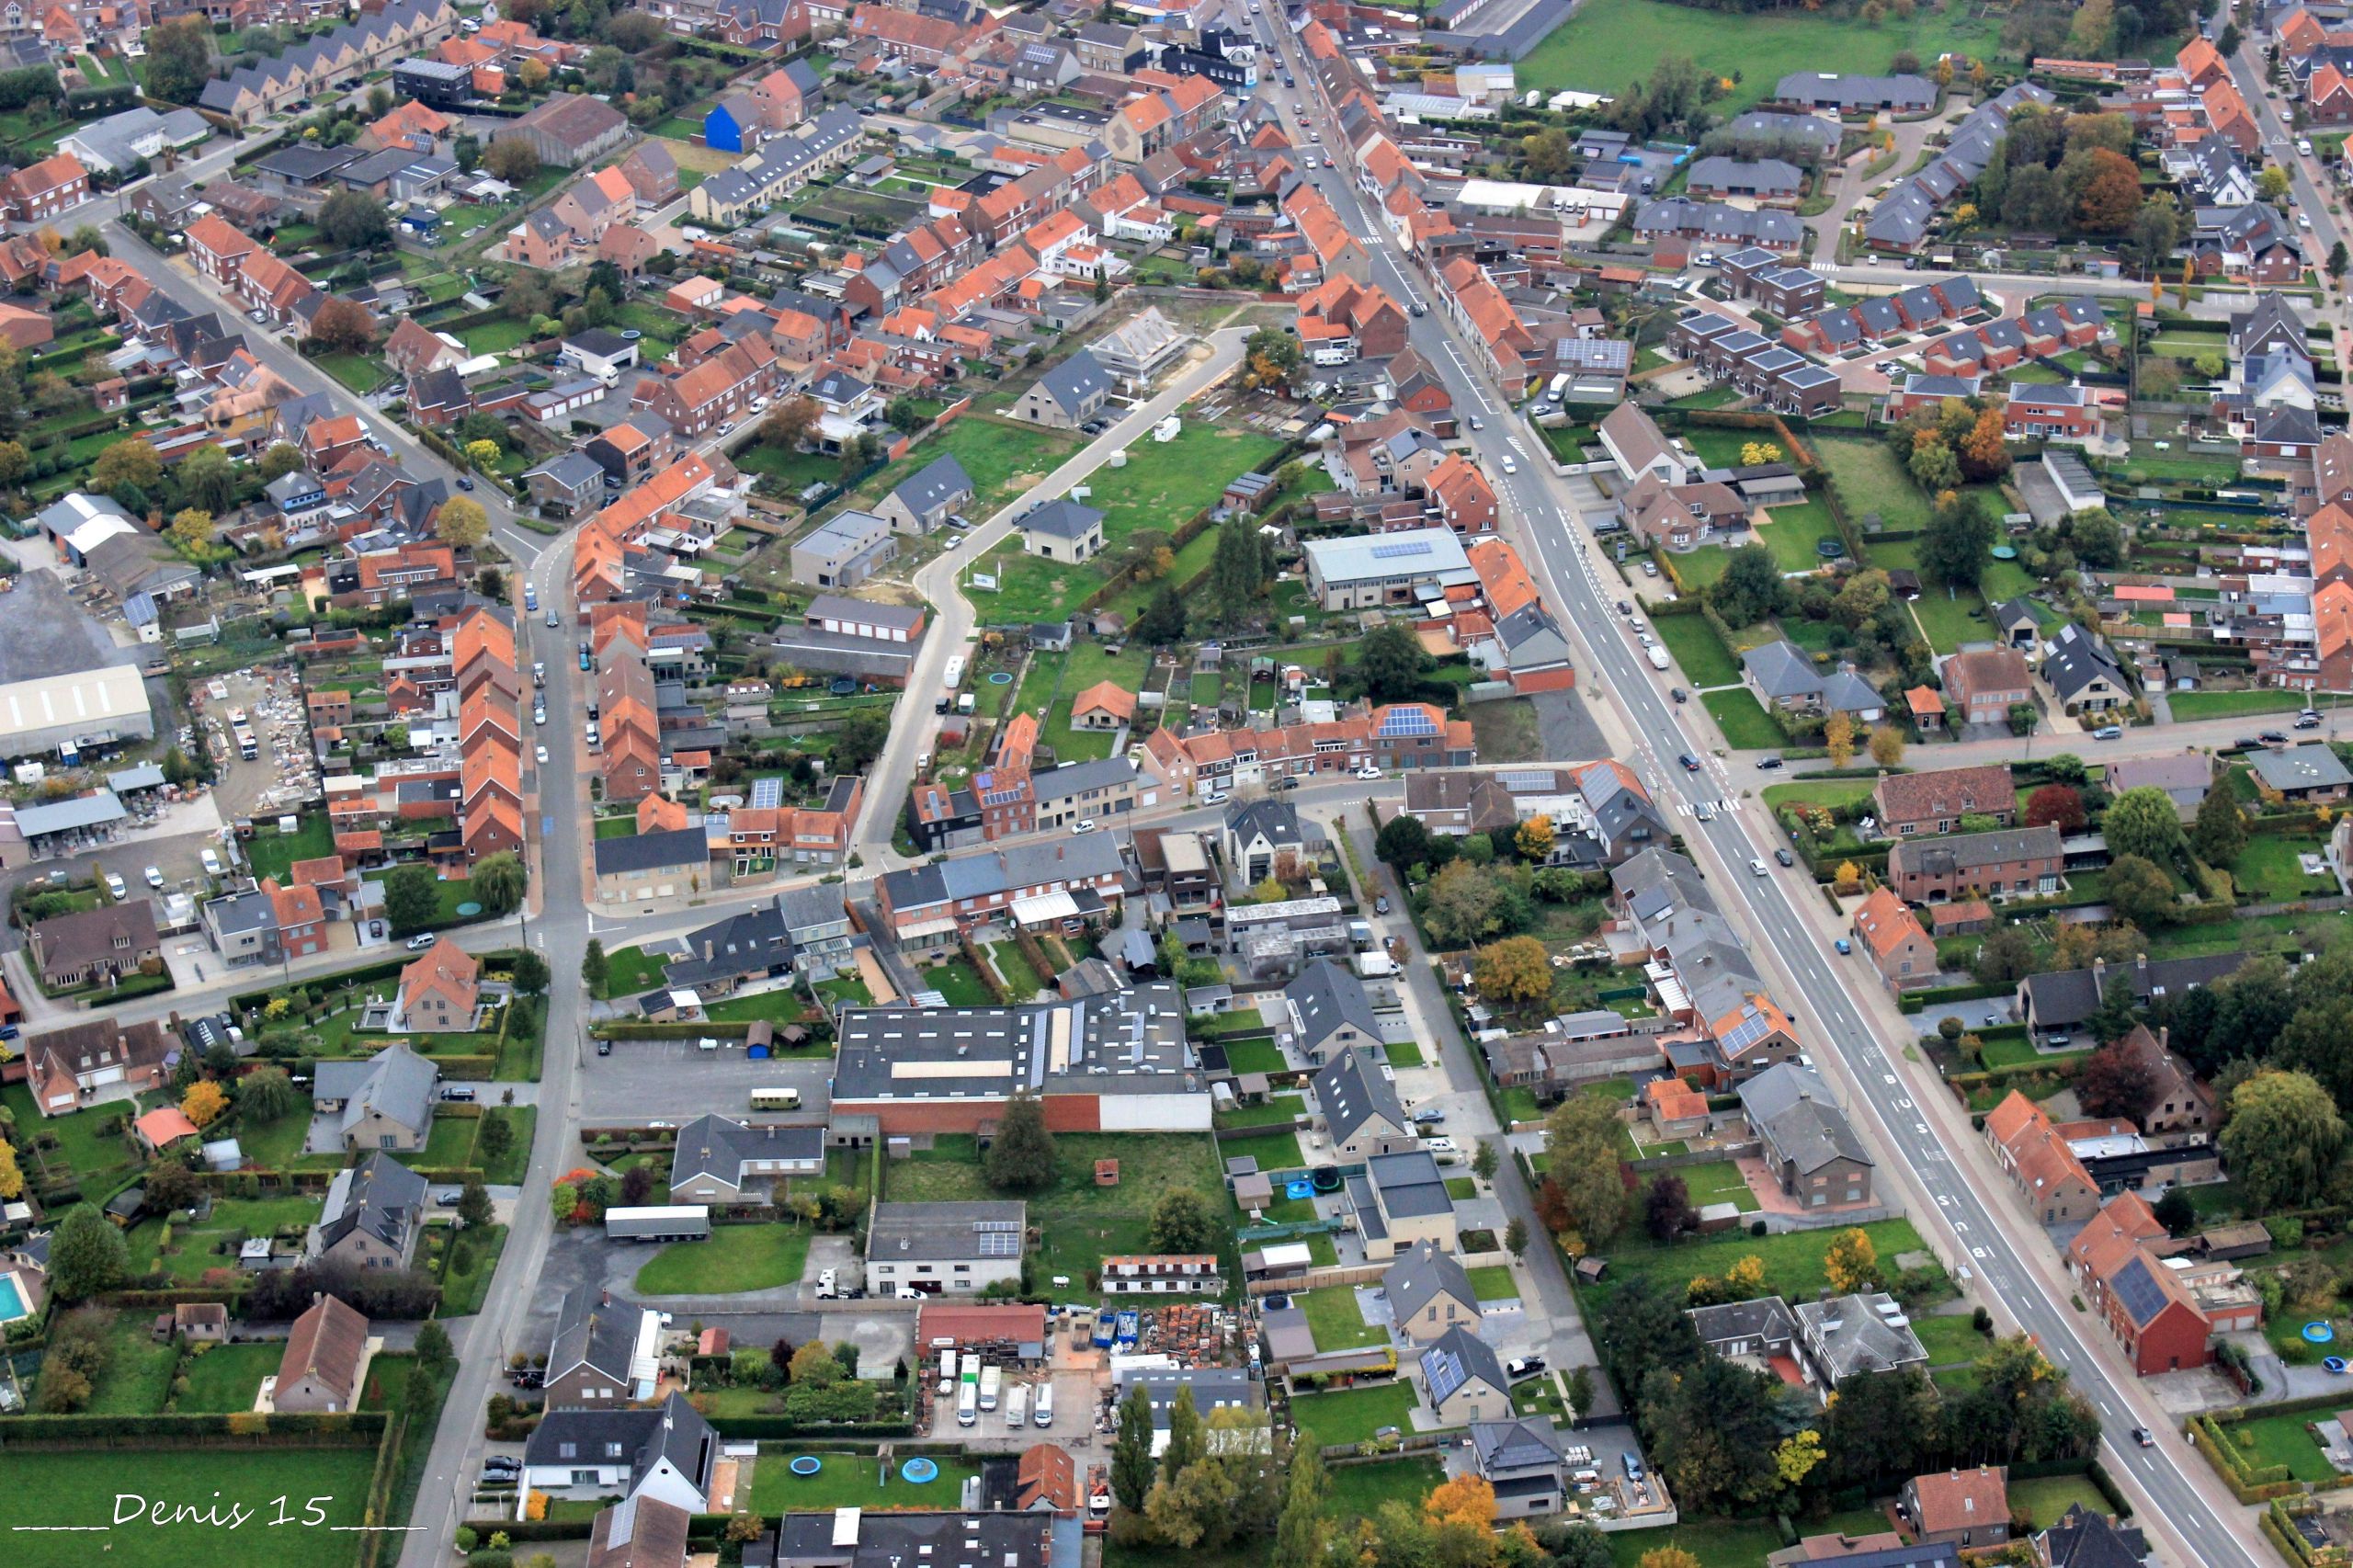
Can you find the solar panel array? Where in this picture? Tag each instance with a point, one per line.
(1402, 721)
(1397, 548)
(1528, 781)
(2138, 1290)
(766, 793)
(1753, 1027)
(998, 1238)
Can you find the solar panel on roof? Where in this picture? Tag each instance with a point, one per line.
(1530, 780)
(2139, 1290)
(1753, 1027)
(993, 1244)
(766, 793)
(1395, 548)
(1408, 721)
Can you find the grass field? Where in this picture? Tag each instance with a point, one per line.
(632, 972)
(495, 337)
(1701, 654)
(100, 1162)
(2284, 1439)
(1719, 1181)
(850, 1480)
(736, 1257)
(1606, 45)
(1869, 479)
(2232, 704)
(1353, 1416)
(1745, 724)
(1792, 1261)
(138, 1375)
(1334, 1318)
(2043, 1498)
(224, 1378)
(358, 371)
(2268, 869)
(195, 1248)
(1494, 1283)
(1819, 792)
(1082, 1222)
(1794, 532)
(273, 854)
(68, 1488)
(1717, 1543)
(1948, 1339)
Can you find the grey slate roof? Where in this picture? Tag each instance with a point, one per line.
(675, 1430)
(936, 1233)
(1765, 1319)
(1516, 1445)
(2064, 998)
(1793, 1109)
(2084, 1539)
(1351, 1091)
(1423, 1273)
(719, 1146)
(1782, 670)
(1850, 1336)
(379, 1195)
(395, 1083)
(1962, 852)
(2308, 766)
(992, 872)
(1063, 518)
(1075, 380)
(939, 482)
(592, 1333)
(2076, 658)
(1329, 998)
(653, 851)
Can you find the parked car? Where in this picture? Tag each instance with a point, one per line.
(2109, 733)
(1523, 1367)
(419, 943)
(154, 876)
(1785, 858)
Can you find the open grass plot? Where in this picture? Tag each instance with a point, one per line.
(850, 1480)
(81, 1488)
(223, 1379)
(1795, 533)
(1701, 654)
(2272, 870)
(1335, 1320)
(1358, 1489)
(97, 1161)
(2285, 1440)
(735, 1258)
(1792, 1261)
(1353, 1416)
(1719, 1181)
(1081, 1221)
(138, 1375)
(269, 853)
(1872, 479)
(181, 1253)
(2234, 704)
(1745, 724)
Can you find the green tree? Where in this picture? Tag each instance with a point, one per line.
(2118, 1009)
(1181, 1223)
(132, 462)
(530, 973)
(1240, 573)
(265, 1095)
(1021, 1156)
(2337, 261)
(1713, 1435)
(1580, 1391)
(207, 478)
(1581, 1140)
(595, 967)
(412, 900)
(861, 740)
(462, 523)
(473, 1203)
(1750, 589)
(179, 59)
(433, 1356)
(1403, 842)
(2281, 1140)
(1131, 1467)
(1163, 621)
(2220, 832)
(87, 1255)
(1515, 1236)
(1303, 1531)
(1393, 664)
(1464, 904)
(512, 159)
(352, 220)
(1958, 540)
(1483, 1162)
(2143, 822)
(2138, 891)
(498, 882)
(283, 459)
(493, 1139)
(1187, 1439)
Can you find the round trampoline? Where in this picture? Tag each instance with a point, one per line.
(468, 911)
(807, 1464)
(918, 1470)
(1000, 677)
(2319, 1332)
(2005, 553)
(842, 688)
(1325, 1177)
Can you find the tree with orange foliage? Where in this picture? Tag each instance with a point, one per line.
(204, 1102)
(2110, 195)
(1467, 1499)
(1985, 451)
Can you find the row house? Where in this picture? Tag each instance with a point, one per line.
(2021, 862)
(780, 167)
(371, 43)
(752, 838)
(2053, 414)
(2038, 1160)
(1900, 222)
(1498, 336)
(908, 36)
(932, 905)
(716, 393)
(489, 769)
(2122, 1264)
(601, 549)
(1774, 375)
(1789, 293)
(1181, 108)
(1873, 322)
(1351, 320)
(1717, 223)
(1396, 735)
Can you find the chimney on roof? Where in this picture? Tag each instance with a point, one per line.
(2099, 974)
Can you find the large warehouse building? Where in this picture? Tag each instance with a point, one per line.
(62, 681)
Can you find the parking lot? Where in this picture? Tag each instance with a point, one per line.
(675, 1080)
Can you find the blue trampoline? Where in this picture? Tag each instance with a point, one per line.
(807, 1464)
(918, 1470)
(2319, 1332)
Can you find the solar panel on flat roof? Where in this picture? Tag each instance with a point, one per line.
(1516, 779)
(766, 793)
(1397, 548)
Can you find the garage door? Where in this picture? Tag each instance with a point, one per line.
(100, 1079)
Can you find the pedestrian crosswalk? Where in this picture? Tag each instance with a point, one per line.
(1692, 807)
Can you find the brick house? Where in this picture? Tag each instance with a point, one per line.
(1909, 805)
(2144, 1304)
(1894, 941)
(2049, 414)
(93, 946)
(1957, 1508)
(2040, 1164)
(1982, 685)
(2016, 862)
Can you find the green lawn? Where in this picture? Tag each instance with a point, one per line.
(2283, 1439)
(1353, 1416)
(1717, 1543)
(138, 1375)
(1819, 792)
(1608, 45)
(272, 854)
(2269, 869)
(1745, 724)
(495, 337)
(1082, 1222)
(632, 972)
(1358, 1489)
(1948, 1337)
(80, 1488)
(1020, 977)
(1254, 1056)
(1719, 1181)
(359, 371)
(850, 1480)
(958, 983)
(2232, 704)
(193, 1248)
(736, 1257)
(223, 1379)
(508, 1171)
(1697, 648)
(93, 1156)
(1280, 1110)
(1792, 1261)
(1794, 532)
(1332, 1316)
(465, 1278)
(1494, 1283)
(449, 1145)
(1403, 1053)
(1870, 478)
(2042, 1499)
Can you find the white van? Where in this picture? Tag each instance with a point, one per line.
(1017, 1407)
(967, 1410)
(992, 1380)
(1043, 1410)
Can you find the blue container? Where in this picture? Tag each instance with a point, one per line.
(1105, 1331)
(758, 1053)
(1129, 1322)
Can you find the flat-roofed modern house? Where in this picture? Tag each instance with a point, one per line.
(962, 1247)
(844, 551)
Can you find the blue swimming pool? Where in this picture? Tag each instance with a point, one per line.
(12, 1303)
